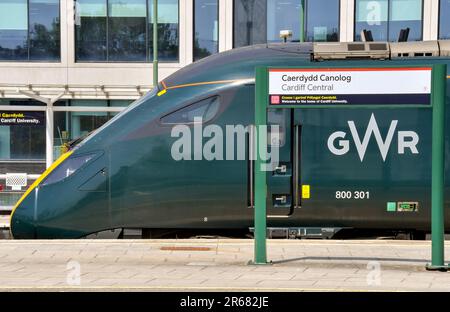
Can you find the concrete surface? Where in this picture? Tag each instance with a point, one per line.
(218, 265)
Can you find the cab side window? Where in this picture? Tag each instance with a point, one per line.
(205, 109)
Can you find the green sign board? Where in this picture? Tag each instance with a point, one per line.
(365, 87)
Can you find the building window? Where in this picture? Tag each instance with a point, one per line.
(22, 144)
(444, 21)
(29, 30)
(261, 21)
(322, 24)
(249, 22)
(168, 39)
(23, 135)
(69, 126)
(283, 15)
(385, 19)
(22, 140)
(206, 28)
(126, 30)
(122, 31)
(90, 30)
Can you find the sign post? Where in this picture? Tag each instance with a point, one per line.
(437, 167)
(302, 21)
(260, 175)
(155, 43)
(366, 87)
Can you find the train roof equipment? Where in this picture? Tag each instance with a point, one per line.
(379, 50)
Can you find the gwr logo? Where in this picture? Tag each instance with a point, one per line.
(406, 139)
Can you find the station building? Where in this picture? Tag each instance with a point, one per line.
(68, 66)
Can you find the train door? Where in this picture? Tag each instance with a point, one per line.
(283, 181)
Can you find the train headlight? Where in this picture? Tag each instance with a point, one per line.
(67, 168)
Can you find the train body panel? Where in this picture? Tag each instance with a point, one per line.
(125, 174)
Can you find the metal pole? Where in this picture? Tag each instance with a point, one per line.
(49, 134)
(437, 168)
(302, 21)
(260, 175)
(155, 43)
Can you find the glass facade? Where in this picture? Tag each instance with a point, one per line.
(257, 21)
(386, 18)
(168, 30)
(283, 15)
(14, 30)
(126, 30)
(322, 24)
(72, 125)
(90, 30)
(29, 30)
(23, 145)
(444, 20)
(206, 28)
(69, 126)
(44, 33)
(22, 141)
(122, 31)
(249, 23)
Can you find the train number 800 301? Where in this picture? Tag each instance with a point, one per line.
(352, 195)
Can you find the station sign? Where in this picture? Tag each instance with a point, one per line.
(363, 87)
(22, 118)
(347, 86)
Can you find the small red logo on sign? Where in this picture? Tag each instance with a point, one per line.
(274, 99)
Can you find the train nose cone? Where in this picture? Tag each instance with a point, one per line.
(22, 223)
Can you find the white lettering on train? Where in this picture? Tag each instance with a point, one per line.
(406, 140)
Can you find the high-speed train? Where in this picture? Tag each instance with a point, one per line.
(125, 174)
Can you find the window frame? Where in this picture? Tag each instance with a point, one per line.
(389, 20)
(28, 60)
(234, 28)
(148, 60)
(305, 22)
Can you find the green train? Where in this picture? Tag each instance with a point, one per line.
(125, 176)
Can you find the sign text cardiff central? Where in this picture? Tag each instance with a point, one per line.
(347, 86)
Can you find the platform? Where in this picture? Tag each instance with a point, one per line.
(218, 265)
